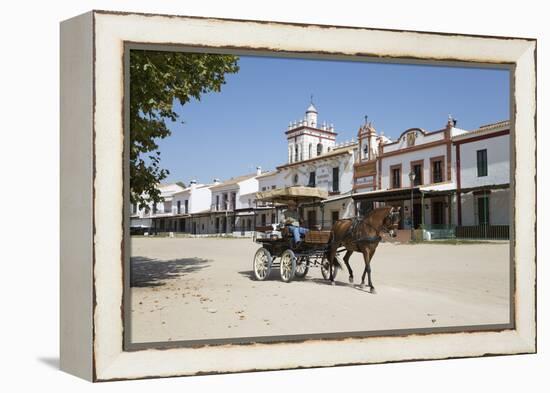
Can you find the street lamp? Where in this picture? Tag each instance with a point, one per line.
(412, 176)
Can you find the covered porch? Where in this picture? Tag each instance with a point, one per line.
(420, 205)
(440, 211)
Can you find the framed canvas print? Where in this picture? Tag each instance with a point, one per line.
(246, 195)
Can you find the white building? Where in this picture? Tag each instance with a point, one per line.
(270, 181)
(193, 200)
(232, 206)
(383, 175)
(153, 217)
(482, 161)
(264, 215)
(454, 170)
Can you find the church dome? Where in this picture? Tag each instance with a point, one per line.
(311, 109)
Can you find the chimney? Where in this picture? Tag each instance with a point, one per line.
(216, 181)
(193, 184)
(258, 170)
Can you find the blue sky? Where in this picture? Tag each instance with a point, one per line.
(229, 133)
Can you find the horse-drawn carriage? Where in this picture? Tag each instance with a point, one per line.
(319, 248)
(278, 250)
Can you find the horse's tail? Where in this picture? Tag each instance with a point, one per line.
(331, 246)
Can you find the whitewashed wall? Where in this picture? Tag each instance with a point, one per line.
(499, 208)
(303, 141)
(245, 188)
(201, 199)
(498, 162)
(219, 192)
(276, 179)
(166, 191)
(346, 173)
(344, 207)
(198, 197)
(405, 161)
(181, 197)
(323, 173)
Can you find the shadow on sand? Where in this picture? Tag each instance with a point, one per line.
(274, 276)
(147, 272)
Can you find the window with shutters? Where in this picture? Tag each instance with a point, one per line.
(482, 163)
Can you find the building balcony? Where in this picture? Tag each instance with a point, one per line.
(221, 208)
(161, 214)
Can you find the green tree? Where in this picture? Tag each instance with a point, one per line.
(158, 80)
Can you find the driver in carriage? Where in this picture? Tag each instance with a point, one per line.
(291, 218)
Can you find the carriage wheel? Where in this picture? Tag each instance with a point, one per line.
(301, 267)
(288, 266)
(324, 268)
(262, 264)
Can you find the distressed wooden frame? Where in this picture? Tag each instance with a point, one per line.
(92, 167)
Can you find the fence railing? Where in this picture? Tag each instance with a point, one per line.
(439, 231)
(475, 232)
(430, 232)
(493, 232)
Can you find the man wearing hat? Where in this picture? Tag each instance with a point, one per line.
(291, 218)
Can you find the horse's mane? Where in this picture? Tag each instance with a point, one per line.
(375, 216)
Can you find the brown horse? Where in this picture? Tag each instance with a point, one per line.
(362, 235)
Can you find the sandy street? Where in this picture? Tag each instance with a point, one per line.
(189, 289)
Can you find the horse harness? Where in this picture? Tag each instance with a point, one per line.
(352, 231)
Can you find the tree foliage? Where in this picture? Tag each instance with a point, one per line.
(158, 80)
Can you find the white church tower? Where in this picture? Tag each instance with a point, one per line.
(307, 138)
(311, 115)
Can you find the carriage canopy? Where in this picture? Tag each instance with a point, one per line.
(294, 193)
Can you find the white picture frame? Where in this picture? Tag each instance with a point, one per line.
(92, 177)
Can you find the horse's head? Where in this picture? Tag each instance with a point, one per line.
(391, 221)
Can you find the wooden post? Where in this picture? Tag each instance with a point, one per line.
(449, 209)
(422, 219)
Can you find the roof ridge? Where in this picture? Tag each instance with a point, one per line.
(495, 124)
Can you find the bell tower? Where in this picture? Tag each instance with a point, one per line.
(367, 138)
(311, 115)
(307, 138)
(365, 173)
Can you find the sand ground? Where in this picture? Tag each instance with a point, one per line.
(203, 288)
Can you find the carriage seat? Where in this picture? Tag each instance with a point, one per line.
(264, 228)
(318, 237)
(268, 232)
